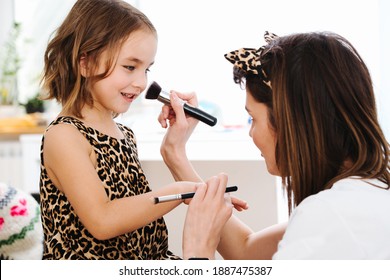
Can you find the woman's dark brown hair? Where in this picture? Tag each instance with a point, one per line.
(91, 28)
(322, 108)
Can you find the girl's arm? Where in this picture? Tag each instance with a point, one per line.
(69, 159)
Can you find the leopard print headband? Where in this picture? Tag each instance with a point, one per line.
(248, 59)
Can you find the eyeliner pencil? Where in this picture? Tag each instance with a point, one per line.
(182, 196)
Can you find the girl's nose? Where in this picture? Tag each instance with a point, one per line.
(140, 81)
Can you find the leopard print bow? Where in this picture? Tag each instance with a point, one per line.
(248, 59)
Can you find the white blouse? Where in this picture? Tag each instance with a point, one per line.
(349, 221)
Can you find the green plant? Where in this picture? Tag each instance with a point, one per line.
(34, 104)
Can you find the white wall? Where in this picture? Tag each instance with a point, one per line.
(6, 18)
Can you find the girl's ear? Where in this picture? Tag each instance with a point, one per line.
(84, 65)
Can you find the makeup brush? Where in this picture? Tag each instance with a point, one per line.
(155, 92)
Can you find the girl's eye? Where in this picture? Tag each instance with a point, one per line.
(130, 68)
(250, 120)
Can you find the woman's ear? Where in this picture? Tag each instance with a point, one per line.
(83, 63)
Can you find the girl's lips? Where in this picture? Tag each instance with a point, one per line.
(129, 96)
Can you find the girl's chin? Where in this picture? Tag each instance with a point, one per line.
(122, 109)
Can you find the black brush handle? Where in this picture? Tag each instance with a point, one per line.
(191, 194)
(200, 115)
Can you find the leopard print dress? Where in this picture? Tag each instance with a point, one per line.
(120, 171)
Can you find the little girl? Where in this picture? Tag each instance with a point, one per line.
(95, 200)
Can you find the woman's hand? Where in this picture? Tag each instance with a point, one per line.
(207, 214)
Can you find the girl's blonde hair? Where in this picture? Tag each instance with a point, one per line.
(91, 28)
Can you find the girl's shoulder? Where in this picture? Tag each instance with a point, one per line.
(63, 130)
(69, 124)
(67, 120)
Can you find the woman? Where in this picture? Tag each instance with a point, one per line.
(314, 119)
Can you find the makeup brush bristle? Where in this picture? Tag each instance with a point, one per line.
(153, 91)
